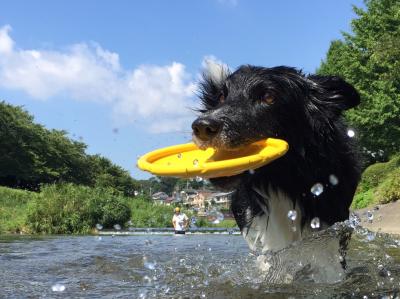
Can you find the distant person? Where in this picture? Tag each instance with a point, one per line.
(180, 221)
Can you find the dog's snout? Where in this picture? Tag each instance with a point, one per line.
(205, 128)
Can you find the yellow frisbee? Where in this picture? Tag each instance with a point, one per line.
(187, 160)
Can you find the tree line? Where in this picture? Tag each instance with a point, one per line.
(31, 155)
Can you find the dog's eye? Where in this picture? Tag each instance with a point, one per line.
(268, 98)
(221, 98)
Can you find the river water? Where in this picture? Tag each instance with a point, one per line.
(196, 266)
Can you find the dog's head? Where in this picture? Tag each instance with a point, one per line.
(253, 103)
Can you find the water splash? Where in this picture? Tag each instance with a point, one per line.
(309, 268)
(58, 287)
(292, 215)
(370, 216)
(333, 180)
(315, 223)
(317, 189)
(351, 133)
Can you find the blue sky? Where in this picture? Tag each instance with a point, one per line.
(121, 75)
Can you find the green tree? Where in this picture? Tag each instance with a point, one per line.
(369, 58)
(106, 174)
(31, 155)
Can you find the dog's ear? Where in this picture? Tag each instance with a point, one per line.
(335, 92)
(212, 83)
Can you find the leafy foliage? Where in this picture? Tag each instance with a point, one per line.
(389, 190)
(67, 208)
(13, 209)
(369, 58)
(380, 183)
(147, 214)
(31, 155)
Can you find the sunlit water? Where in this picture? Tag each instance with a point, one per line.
(196, 266)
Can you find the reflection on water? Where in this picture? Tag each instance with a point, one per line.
(198, 266)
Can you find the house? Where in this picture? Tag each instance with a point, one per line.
(221, 200)
(203, 199)
(159, 197)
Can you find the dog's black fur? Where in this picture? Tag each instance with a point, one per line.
(253, 103)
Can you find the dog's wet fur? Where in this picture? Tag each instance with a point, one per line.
(254, 103)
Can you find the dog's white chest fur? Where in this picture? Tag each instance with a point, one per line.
(273, 230)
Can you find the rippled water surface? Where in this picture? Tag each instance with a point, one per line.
(196, 266)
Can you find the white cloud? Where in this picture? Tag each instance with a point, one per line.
(159, 96)
(6, 43)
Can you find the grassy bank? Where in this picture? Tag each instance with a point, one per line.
(13, 209)
(380, 184)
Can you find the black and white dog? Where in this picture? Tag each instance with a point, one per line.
(253, 103)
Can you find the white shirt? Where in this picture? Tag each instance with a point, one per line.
(180, 221)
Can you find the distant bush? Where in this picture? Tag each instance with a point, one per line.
(68, 208)
(389, 190)
(13, 207)
(376, 173)
(380, 183)
(147, 214)
(363, 199)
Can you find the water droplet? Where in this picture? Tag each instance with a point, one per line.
(99, 238)
(195, 162)
(179, 156)
(199, 179)
(333, 180)
(147, 242)
(117, 227)
(146, 279)
(370, 216)
(215, 216)
(58, 287)
(99, 226)
(317, 189)
(252, 171)
(209, 249)
(370, 236)
(292, 215)
(351, 133)
(315, 223)
(354, 220)
(149, 265)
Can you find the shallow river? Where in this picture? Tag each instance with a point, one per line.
(195, 266)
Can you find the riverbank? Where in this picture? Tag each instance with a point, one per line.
(385, 218)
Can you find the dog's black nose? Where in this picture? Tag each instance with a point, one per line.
(205, 128)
